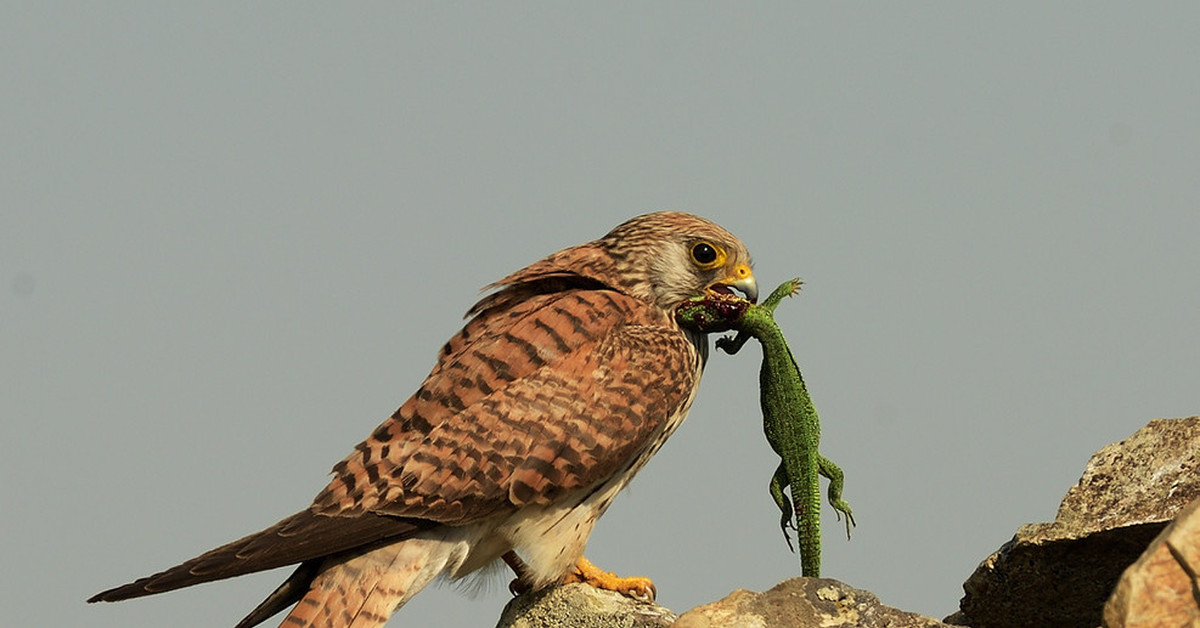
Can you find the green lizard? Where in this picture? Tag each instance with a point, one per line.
(789, 418)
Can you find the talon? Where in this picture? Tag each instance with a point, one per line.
(521, 584)
(650, 593)
(518, 587)
(587, 573)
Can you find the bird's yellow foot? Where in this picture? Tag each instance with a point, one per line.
(587, 573)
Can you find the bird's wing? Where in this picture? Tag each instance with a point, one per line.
(529, 401)
(551, 394)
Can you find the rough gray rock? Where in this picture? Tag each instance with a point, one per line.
(1147, 478)
(795, 603)
(582, 606)
(1161, 588)
(1061, 573)
(802, 603)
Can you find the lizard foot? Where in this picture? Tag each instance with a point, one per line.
(839, 508)
(587, 573)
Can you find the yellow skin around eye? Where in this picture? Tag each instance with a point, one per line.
(717, 262)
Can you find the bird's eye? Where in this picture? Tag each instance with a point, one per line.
(704, 253)
(707, 256)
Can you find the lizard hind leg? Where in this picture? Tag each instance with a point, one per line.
(836, 480)
(779, 482)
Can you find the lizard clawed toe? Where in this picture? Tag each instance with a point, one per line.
(849, 520)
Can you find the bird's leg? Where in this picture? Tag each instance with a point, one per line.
(522, 583)
(587, 573)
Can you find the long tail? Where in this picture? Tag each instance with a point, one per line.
(364, 590)
(304, 536)
(327, 548)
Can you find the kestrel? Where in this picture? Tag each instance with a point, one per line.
(563, 383)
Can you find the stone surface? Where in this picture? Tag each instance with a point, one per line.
(1146, 478)
(582, 606)
(1061, 573)
(802, 603)
(1161, 588)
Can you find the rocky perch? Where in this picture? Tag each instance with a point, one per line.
(1123, 552)
(794, 603)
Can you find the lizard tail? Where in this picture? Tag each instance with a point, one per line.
(806, 497)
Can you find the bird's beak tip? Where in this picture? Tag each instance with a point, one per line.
(746, 285)
(749, 287)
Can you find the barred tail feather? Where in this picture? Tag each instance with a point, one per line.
(363, 591)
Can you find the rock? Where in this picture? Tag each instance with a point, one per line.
(795, 603)
(1061, 573)
(582, 606)
(1161, 588)
(1147, 478)
(801, 603)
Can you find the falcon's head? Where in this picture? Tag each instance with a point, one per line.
(664, 258)
(669, 257)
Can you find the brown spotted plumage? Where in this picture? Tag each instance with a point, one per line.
(566, 379)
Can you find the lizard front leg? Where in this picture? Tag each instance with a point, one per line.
(732, 344)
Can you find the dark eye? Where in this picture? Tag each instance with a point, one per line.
(704, 253)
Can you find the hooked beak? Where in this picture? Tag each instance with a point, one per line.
(741, 280)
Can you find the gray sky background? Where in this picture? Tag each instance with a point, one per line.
(232, 239)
